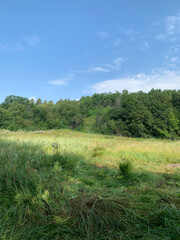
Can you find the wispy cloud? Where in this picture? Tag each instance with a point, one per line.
(4, 47)
(116, 65)
(160, 37)
(128, 31)
(173, 24)
(116, 42)
(106, 67)
(100, 69)
(169, 28)
(32, 41)
(162, 79)
(118, 61)
(59, 82)
(172, 59)
(26, 41)
(169, 33)
(145, 45)
(18, 47)
(62, 81)
(11, 48)
(103, 34)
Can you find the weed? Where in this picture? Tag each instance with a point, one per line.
(125, 168)
(98, 151)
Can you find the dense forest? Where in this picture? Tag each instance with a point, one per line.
(152, 114)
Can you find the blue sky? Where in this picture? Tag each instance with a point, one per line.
(70, 48)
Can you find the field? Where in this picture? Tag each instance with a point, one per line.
(72, 185)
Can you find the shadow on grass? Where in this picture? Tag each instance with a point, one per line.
(61, 196)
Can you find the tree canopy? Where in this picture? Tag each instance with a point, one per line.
(152, 114)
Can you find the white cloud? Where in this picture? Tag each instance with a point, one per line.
(170, 28)
(103, 34)
(62, 81)
(118, 61)
(32, 41)
(11, 48)
(162, 79)
(174, 59)
(144, 46)
(59, 82)
(4, 47)
(109, 67)
(116, 65)
(100, 69)
(106, 67)
(173, 24)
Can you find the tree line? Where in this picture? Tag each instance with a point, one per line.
(152, 114)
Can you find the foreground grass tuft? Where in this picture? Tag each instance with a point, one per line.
(125, 168)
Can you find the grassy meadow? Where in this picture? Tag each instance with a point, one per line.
(64, 184)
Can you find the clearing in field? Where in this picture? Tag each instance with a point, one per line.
(72, 185)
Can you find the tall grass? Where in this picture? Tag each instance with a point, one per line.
(125, 168)
(49, 190)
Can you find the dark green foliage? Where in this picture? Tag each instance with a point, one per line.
(20, 113)
(153, 114)
(91, 105)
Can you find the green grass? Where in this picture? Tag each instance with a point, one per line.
(89, 124)
(71, 185)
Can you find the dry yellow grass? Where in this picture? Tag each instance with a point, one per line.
(145, 154)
